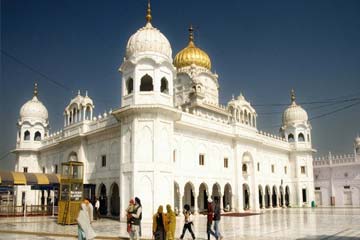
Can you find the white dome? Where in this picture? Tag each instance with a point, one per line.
(357, 140)
(34, 109)
(148, 39)
(294, 113)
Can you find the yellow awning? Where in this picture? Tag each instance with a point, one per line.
(42, 179)
(19, 178)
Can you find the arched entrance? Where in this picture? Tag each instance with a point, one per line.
(177, 196)
(287, 196)
(281, 196)
(246, 196)
(227, 199)
(261, 196)
(189, 197)
(274, 196)
(203, 196)
(115, 200)
(216, 192)
(267, 196)
(103, 199)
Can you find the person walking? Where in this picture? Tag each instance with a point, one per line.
(97, 208)
(158, 226)
(135, 232)
(170, 225)
(85, 231)
(129, 212)
(188, 222)
(210, 216)
(217, 216)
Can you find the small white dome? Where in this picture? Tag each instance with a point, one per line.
(294, 113)
(148, 39)
(34, 109)
(357, 141)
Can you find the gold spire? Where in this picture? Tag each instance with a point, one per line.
(191, 36)
(293, 96)
(192, 55)
(35, 89)
(148, 13)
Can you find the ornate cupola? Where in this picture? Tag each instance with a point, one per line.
(195, 83)
(295, 125)
(192, 55)
(147, 70)
(33, 124)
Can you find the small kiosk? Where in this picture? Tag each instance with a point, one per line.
(71, 191)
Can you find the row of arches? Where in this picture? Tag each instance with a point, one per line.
(243, 116)
(37, 136)
(196, 197)
(109, 203)
(78, 114)
(300, 137)
(273, 196)
(146, 85)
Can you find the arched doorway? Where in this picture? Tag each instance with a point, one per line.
(261, 196)
(281, 196)
(103, 199)
(227, 199)
(189, 197)
(267, 196)
(287, 196)
(246, 196)
(203, 196)
(274, 197)
(177, 196)
(115, 200)
(216, 191)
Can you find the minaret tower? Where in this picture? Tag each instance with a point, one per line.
(297, 130)
(33, 126)
(147, 118)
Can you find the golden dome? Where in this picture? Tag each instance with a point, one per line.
(192, 55)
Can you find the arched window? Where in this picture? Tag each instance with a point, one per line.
(146, 84)
(37, 136)
(88, 113)
(164, 88)
(26, 135)
(244, 168)
(301, 137)
(291, 137)
(249, 119)
(130, 85)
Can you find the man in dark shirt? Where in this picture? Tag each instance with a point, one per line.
(217, 217)
(210, 216)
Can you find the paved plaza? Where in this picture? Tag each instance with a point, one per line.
(292, 223)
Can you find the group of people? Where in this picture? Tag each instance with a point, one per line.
(85, 219)
(164, 224)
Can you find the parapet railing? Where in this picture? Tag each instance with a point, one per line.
(29, 210)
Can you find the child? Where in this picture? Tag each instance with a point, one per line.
(129, 211)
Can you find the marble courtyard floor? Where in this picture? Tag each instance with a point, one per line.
(291, 223)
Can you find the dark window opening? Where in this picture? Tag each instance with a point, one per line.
(37, 136)
(56, 168)
(130, 85)
(26, 135)
(103, 161)
(304, 198)
(201, 159)
(291, 137)
(25, 169)
(164, 88)
(146, 84)
(301, 137)
(226, 162)
(244, 168)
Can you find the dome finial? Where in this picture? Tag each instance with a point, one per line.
(292, 96)
(191, 35)
(35, 89)
(148, 13)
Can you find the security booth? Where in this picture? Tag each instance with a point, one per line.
(71, 191)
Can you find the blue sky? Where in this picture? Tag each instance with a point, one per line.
(259, 48)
